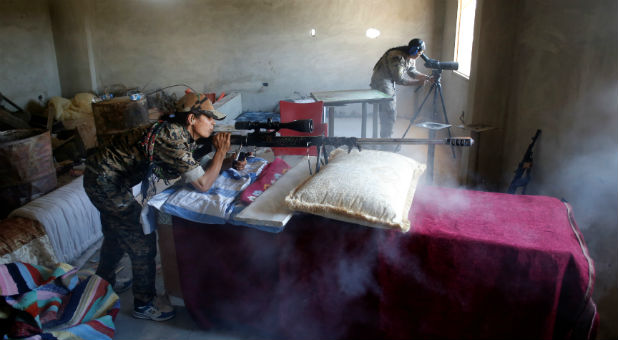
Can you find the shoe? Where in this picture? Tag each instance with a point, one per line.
(151, 311)
(122, 286)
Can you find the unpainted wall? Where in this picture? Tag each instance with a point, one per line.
(455, 91)
(73, 43)
(567, 85)
(555, 68)
(241, 45)
(27, 56)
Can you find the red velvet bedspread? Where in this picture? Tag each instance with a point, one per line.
(474, 265)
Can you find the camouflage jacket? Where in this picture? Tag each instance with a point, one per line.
(394, 67)
(124, 161)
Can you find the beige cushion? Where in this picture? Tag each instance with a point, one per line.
(371, 188)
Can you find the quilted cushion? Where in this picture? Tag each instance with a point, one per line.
(371, 188)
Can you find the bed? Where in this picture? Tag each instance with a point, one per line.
(61, 226)
(473, 265)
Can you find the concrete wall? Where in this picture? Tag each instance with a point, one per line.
(239, 45)
(27, 55)
(491, 85)
(455, 91)
(555, 68)
(71, 27)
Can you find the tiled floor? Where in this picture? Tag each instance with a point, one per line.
(182, 326)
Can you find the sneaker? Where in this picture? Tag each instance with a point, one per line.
(151, 311)
(122, 286)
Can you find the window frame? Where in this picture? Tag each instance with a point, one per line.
(458, 33)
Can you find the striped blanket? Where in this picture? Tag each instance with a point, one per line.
(53, 303)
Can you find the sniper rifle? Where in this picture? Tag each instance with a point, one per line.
(269, 138)
(522, 173)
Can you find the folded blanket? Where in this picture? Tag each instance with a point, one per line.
(71, 221)
(52, 303)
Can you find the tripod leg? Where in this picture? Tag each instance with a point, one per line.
(446, 118)
(418, 110)
(324, 154)
(431, 149)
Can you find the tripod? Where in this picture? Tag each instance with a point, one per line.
(436, 89)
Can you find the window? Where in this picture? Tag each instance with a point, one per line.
(465, 35)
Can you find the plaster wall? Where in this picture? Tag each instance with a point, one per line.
(27, 56)
(239, 45)
(542, 71)
(566, 84)
(70, 23)
(490, 87)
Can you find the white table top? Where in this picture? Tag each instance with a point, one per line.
(350, 96)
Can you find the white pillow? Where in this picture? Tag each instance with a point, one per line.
(371, 188)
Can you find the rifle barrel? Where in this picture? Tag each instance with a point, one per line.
(456, 141)
(305, 141)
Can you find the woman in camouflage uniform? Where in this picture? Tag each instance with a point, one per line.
(163, 150)
(396, 66)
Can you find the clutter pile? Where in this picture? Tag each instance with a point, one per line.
(63, 131)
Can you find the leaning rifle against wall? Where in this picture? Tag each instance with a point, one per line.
(265, 135)
(522, 173)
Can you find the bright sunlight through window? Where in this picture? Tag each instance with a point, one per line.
(465, 35)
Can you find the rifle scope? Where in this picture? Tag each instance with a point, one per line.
(303, 125)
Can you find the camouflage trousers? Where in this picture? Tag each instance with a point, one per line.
(122, 233)
(388, 114)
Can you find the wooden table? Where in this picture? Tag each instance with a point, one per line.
(340, 98)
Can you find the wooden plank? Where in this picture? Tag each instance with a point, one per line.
(86, 129)
(50, 120)
(9, 119)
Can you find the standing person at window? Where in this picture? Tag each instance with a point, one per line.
(396, 66)
(163, 150)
